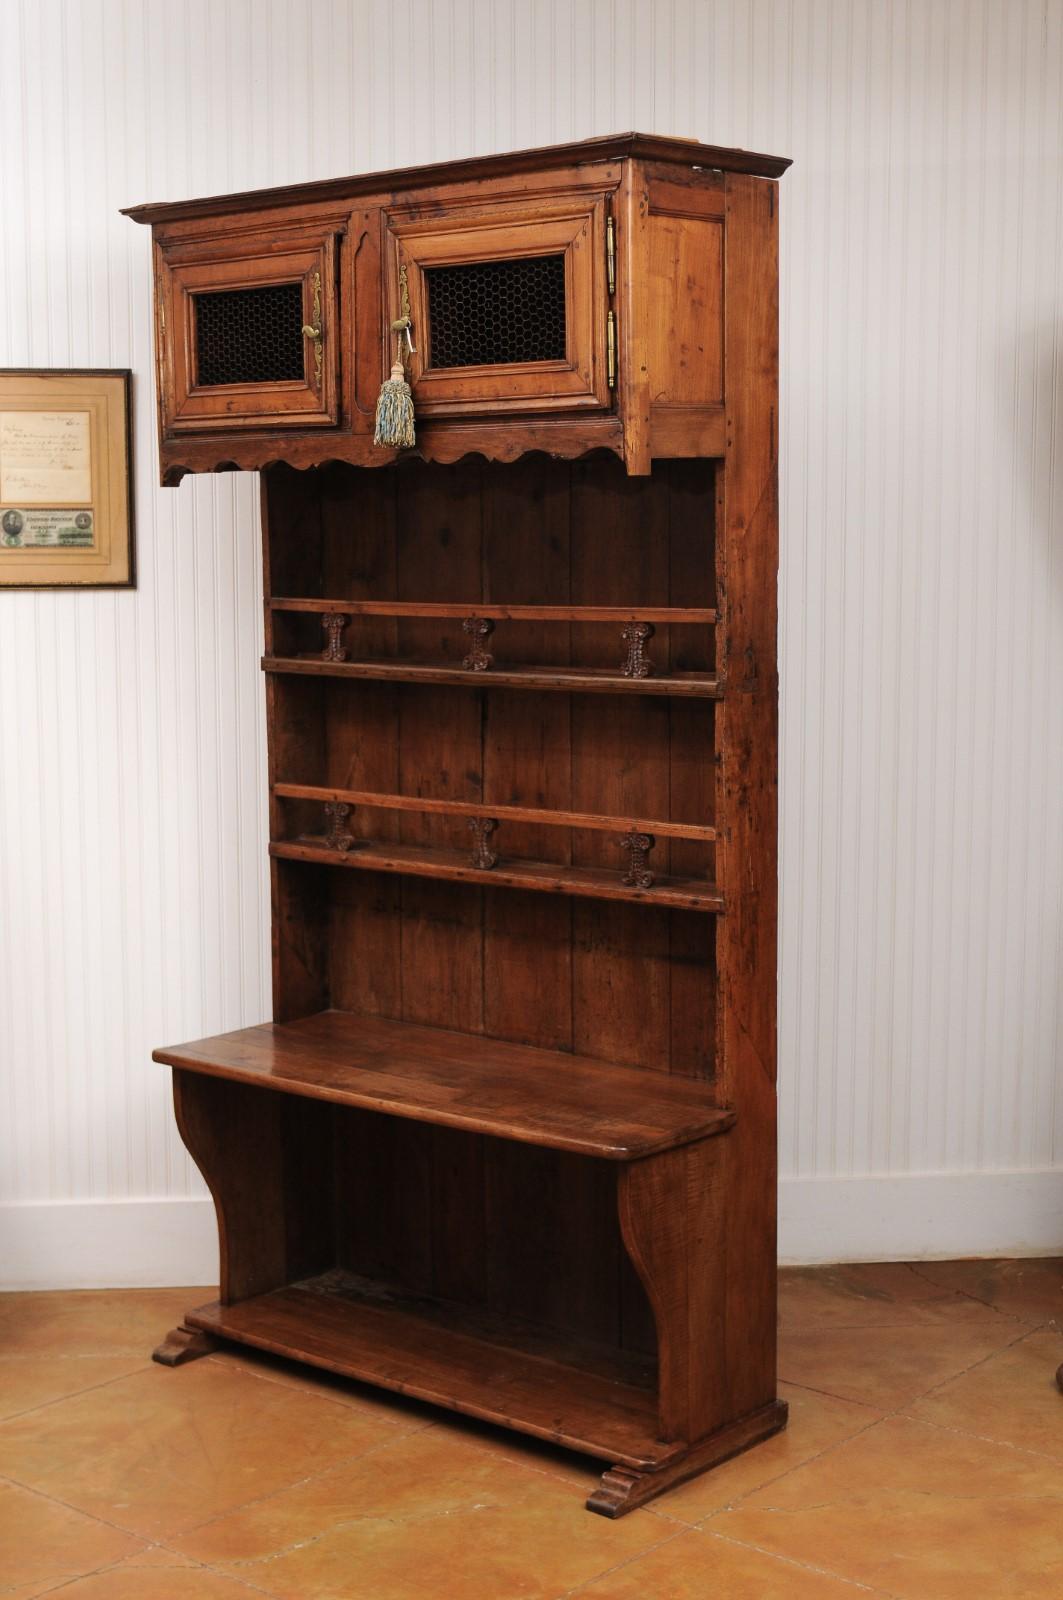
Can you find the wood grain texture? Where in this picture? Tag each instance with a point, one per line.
(531, 481)
(427, 806)
(555, 1099)
(747, 785)
(394, 1345)
(565, 680)
(652, 147)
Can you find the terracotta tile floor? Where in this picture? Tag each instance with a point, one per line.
(924, 1460)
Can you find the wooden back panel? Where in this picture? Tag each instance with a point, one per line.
(627, 982)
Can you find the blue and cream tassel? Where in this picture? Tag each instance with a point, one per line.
(394, 408)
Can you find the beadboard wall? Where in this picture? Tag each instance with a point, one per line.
(921, 585)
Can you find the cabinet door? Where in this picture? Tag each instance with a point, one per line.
(509, 310)
(248, 334)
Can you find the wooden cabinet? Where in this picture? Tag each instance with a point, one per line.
(511, 308)
(508, 1142)
(561, 300)
(248, 332)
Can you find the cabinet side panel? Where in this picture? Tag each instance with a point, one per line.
(691, 487)
(685, 336)
(266, 1159)
(747, 748)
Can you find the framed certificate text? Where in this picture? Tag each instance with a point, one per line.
(66, 504)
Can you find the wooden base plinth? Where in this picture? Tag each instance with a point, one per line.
(622, 1488)
(183, 1344)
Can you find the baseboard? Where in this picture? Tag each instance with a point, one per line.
(110, 1244)
(921, 1216)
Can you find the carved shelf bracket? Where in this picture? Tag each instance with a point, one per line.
(482, 828)
(638, 845)
(336, 834)
(335, 625)
(637, 664)
(479, 630)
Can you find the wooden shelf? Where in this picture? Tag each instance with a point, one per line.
(566, 680)
(403, 1345)
(506, 613)
(461, 1080)
(418, 861)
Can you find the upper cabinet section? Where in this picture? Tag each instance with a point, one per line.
(509, 306)
(566, 300)
(248, 331)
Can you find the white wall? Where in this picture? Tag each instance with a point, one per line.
(922, 581)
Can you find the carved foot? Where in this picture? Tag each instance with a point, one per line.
(623, 1488)
(619, 1492)
(183, 1344)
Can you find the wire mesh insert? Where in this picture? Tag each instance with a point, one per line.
(250, 335)
(488, 313)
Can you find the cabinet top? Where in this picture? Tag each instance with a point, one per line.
(647, 146)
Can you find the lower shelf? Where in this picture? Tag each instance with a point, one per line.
(346, 1326)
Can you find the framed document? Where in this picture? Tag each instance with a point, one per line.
(66, 501)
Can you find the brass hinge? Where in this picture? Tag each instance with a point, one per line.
(610, 349)
(313, 330)
(610, 254)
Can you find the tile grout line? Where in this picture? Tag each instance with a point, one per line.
(898, 1410)
(53, 1499)
(787, 1471)
(963, 1372)
(98, 1572)
(285, 1488)
(618, 1566)
(804, 1566)
(982, 1438)
(829, 1394)
(196, 1527)
(968, 1294)
(886, 1327)
(896, 1414)
(75, 1394)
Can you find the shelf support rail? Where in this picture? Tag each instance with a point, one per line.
(478, 623)
(637, 836)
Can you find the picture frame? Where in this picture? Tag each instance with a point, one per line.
(66, 489)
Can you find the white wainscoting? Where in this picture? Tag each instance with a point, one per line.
(921, 1018)
(107, 1244)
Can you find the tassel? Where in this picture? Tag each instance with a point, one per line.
(394, 412)
(394, 409)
